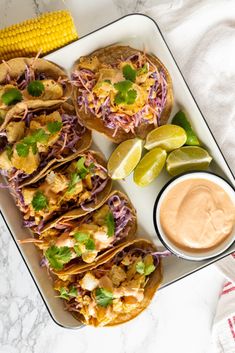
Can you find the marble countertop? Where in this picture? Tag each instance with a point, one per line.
(180, 317)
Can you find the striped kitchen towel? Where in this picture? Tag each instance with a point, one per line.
(224, 322)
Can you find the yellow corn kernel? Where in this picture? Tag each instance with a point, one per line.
(43, 34)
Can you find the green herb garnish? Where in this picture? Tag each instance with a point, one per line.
(81, 168)
(58, 257)
(109, 220)
(40, 201)
(90, 244)
(80, 173)
(30, 141)
(144, 269)
(54, 126)
(125, 94)
(81, 237)
(66, 294)
(129, 73)
(35, 88)
(84, 238)
(12, 96)
(108, 81)
(103, 297)
(74, 179)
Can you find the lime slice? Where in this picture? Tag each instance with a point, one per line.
(150, 166)
(186, 159)
(168, 137)
(125, 158)
(181, 120)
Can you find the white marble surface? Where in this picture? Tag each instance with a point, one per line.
(180, 318)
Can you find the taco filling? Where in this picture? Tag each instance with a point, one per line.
(117, 287)
(31, 142)
(124, 94)
(30, 79)
(73, 185)
(85, 239)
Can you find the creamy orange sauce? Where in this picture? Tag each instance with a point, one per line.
(197, 214)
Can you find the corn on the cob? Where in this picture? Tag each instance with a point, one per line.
(45, 33)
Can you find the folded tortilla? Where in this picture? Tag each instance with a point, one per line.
(90, 237)
(117, 289)
(68, 139)
(82, 184)
(18, 72)
(94, 78)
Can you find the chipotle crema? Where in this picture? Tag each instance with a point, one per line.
(197, 215)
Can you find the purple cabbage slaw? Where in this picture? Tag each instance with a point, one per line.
(139, 251)
(86, 79)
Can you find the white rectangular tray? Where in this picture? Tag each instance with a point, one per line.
(141, 32)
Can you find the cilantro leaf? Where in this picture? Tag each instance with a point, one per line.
(39, 201)
(142, 70)
(35, 88)
(103, 297)
(12, 96)
(125, 94)
(30, 141)
(90, 244)
(54, 126)
(58, 257)
(123, 86)
(129, 73)
(131, 96)
(9, 151)
(39, 136)
(81, 168)
(144, 269)
(119, 98)
(140, 267)
(109, 220)
(22, 149)
(73, 292)
(81, 237)
(66, 294)
(74, 179)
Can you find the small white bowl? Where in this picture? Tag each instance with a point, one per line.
(195, 256)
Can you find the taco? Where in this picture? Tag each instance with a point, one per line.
(82, 184)
(117, 289)
(31, 143)
(122, 92)
(87, 238)
(31, 83)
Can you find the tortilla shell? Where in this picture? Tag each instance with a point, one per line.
(108, 56)
(154, 282)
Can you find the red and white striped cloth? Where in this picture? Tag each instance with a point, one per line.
(224, 322)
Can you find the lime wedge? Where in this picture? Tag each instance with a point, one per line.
(169, 137)
(187, 158)
(125, 158)
(150, 166)
(181, 120)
